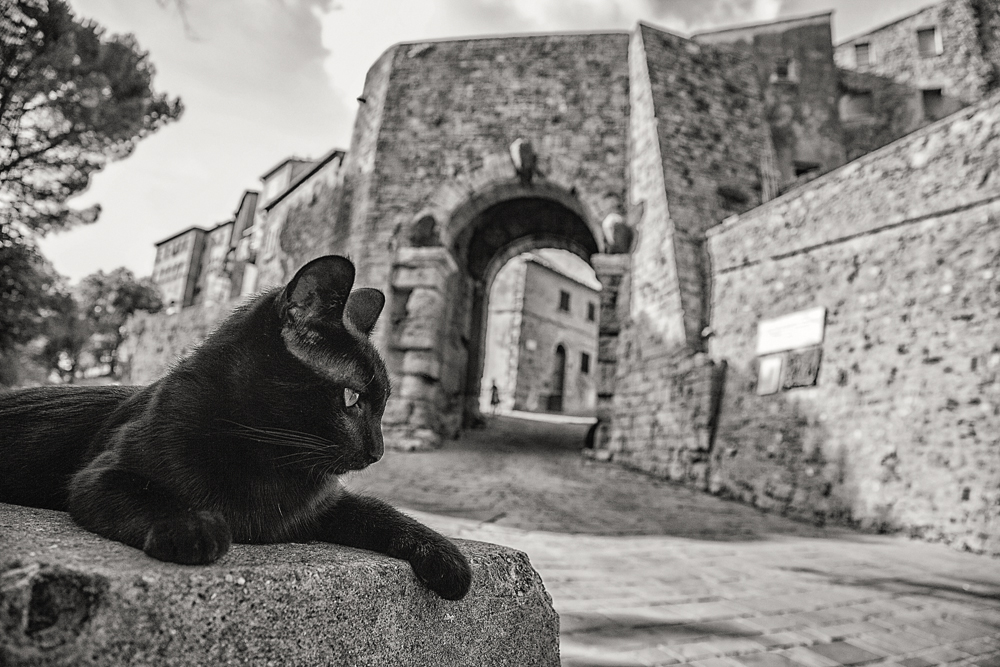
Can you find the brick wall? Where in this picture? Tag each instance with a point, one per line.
(903, 249)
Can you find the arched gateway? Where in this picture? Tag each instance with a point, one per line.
(444, 264)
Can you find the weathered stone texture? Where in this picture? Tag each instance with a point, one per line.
(303, 225)
(903, 249)
(69, 597)
(960, 70)
(897, 110)
(793, 60)
(697, 133)
(155, 342)
(944, 166)
(453, 108)
(709, 120)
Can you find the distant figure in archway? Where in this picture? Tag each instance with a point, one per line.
(494, 399)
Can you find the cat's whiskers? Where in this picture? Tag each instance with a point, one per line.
(280, 436)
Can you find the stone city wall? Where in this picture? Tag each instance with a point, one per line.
(902, 248)
(153, 343)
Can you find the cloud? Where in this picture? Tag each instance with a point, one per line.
(357, 32)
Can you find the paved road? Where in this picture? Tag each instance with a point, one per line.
(644, 573)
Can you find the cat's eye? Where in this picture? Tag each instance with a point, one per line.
(351, 397)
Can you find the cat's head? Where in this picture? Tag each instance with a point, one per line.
(325, 326)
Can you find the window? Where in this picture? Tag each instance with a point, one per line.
(785, 69)
(933, 104)
(591, 312)
(584, 363)
(863, 55)
(564, 301)
(854, 106)
(928, 42)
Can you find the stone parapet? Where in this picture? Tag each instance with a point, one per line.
(68, 597)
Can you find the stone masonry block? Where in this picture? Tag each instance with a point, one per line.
(422, 362)
(69, 597)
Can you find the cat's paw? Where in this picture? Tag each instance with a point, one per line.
(193, 539)
(443, 569)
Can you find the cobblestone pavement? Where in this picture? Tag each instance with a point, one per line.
(644, 573)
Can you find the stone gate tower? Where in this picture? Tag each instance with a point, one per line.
(467, 153)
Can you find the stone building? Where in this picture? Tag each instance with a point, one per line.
(916, 70)
(200, 265)
(541, 347)
(830, 353)
(177, 267)
(798, 81)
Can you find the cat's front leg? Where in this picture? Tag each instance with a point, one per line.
(130, 508)
(369, 523)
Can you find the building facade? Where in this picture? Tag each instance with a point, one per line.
(920, 68)
(541, 350)
(177, 267)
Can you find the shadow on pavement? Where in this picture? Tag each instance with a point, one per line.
(530, 474)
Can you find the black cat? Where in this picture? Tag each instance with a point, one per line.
(243, 440)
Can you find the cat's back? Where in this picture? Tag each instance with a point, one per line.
(44, 437)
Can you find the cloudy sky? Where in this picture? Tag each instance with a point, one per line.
(265, 79)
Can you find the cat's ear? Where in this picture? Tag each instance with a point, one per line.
(320, 289)
(363, 308)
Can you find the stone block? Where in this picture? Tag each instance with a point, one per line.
(69, 597)
(422, 362)
(408, 277)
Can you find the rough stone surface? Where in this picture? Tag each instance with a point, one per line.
(68, 597)
(902, 248)
(154, 342)
(962, 70)
(798, 79)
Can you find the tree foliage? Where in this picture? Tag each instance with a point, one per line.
(71, 99)
(106, 301)
(30, 290)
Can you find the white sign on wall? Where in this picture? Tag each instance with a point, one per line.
(791, 332)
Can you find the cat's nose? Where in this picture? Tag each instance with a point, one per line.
(377, 448)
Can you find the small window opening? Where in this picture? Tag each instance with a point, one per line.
(863, 54)
(591, 312)
(564, 301)
(584, 363)
(928, 42)
(933, 101)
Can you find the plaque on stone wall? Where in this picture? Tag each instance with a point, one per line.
(769, 374)
(794, 331)
(801, 368)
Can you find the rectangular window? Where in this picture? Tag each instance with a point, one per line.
(564, 301)
(584, 363)
(863, 54)
(591, 312)
(928, 42)
(933, 104)
(785, 69)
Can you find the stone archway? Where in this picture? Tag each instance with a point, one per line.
(442, 271)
